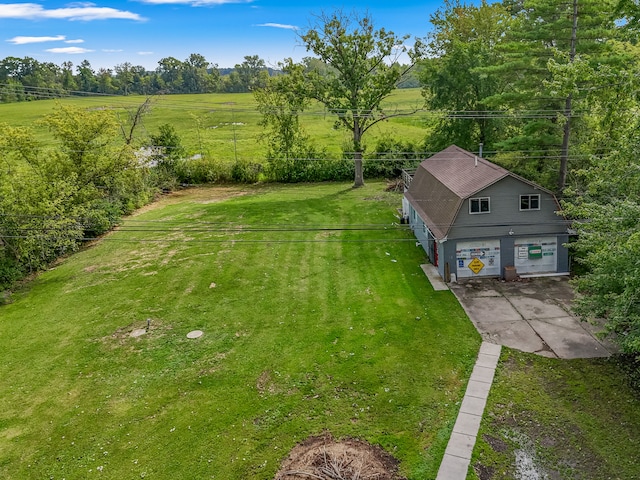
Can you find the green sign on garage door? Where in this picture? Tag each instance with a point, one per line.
(535, 251)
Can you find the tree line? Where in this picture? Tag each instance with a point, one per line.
(27, 79)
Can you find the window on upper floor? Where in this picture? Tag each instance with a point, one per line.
(530, 202)
(479, 205)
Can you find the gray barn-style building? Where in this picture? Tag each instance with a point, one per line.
(476, 219)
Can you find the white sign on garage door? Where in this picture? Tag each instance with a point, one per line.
(478, 258)
(536, 254)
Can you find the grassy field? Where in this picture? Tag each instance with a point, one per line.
(226, 126)
(558, 419)
(316, 318)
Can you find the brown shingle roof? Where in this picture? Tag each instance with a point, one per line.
(463, 172)
(442, 183)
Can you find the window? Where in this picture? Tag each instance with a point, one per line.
(530, 202)
(479, 205)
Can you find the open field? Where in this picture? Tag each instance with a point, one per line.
(316, 318)
(226, 126)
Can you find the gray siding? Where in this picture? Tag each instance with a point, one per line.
(447, 251)
(428, 243)
(505, 214)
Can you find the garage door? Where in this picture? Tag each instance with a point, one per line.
(478, 258)
(536, 255)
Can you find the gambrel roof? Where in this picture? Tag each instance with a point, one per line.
(444, 181)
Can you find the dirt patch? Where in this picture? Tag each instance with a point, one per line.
(131, 333)
(325, 458)
(193, 194)
(484, 473)
(265, 384)
(497, 444)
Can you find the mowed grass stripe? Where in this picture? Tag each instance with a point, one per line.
(305, 332)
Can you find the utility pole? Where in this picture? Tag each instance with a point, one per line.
(235, 140)
(564, 155)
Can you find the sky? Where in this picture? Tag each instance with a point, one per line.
(110, 32)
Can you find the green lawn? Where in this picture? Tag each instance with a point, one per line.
(316, 317)
(226, 126)
(562, 419)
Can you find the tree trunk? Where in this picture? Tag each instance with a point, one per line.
(357, 160)
(357, 156)
(564, 156)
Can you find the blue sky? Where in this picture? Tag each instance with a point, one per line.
(111, 32)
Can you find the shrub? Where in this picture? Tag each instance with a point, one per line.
(202, 170)
(389, 157)
(245, 171)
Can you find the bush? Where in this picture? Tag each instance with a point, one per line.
(244, 171)
(202, 170)
(10, 271)
(100, 217)
(389, 157)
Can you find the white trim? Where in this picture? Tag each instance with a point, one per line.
(553, 274)
(529, 195)
(488, 199)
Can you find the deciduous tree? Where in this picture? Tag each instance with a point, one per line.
(607, 214)
(289, 149)
(365, 66)
(464, 40)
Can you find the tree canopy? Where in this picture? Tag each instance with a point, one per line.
(362, 67)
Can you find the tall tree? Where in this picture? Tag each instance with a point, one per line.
(251, 72)
(608, 242)
(104, 78)
(124, 75)
(196, 75)
(68, 82)
(170, 70)
(86, 77)
(464, 39)
(289, 149)
(542, 30)
(365, 67)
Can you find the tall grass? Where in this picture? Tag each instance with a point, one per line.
(226, 126)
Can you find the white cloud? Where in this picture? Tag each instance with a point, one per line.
(77, 40)
(112, 50)
(87, 12)
(25, 40)
(68, 50)
(278, 25)
(145, 53)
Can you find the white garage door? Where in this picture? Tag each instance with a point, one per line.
(478, 258)
(536, 255)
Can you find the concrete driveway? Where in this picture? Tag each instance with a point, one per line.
(532, 315)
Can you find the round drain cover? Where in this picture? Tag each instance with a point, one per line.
(195, 334)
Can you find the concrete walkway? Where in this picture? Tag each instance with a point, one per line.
(434, 277)
(457, 456)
